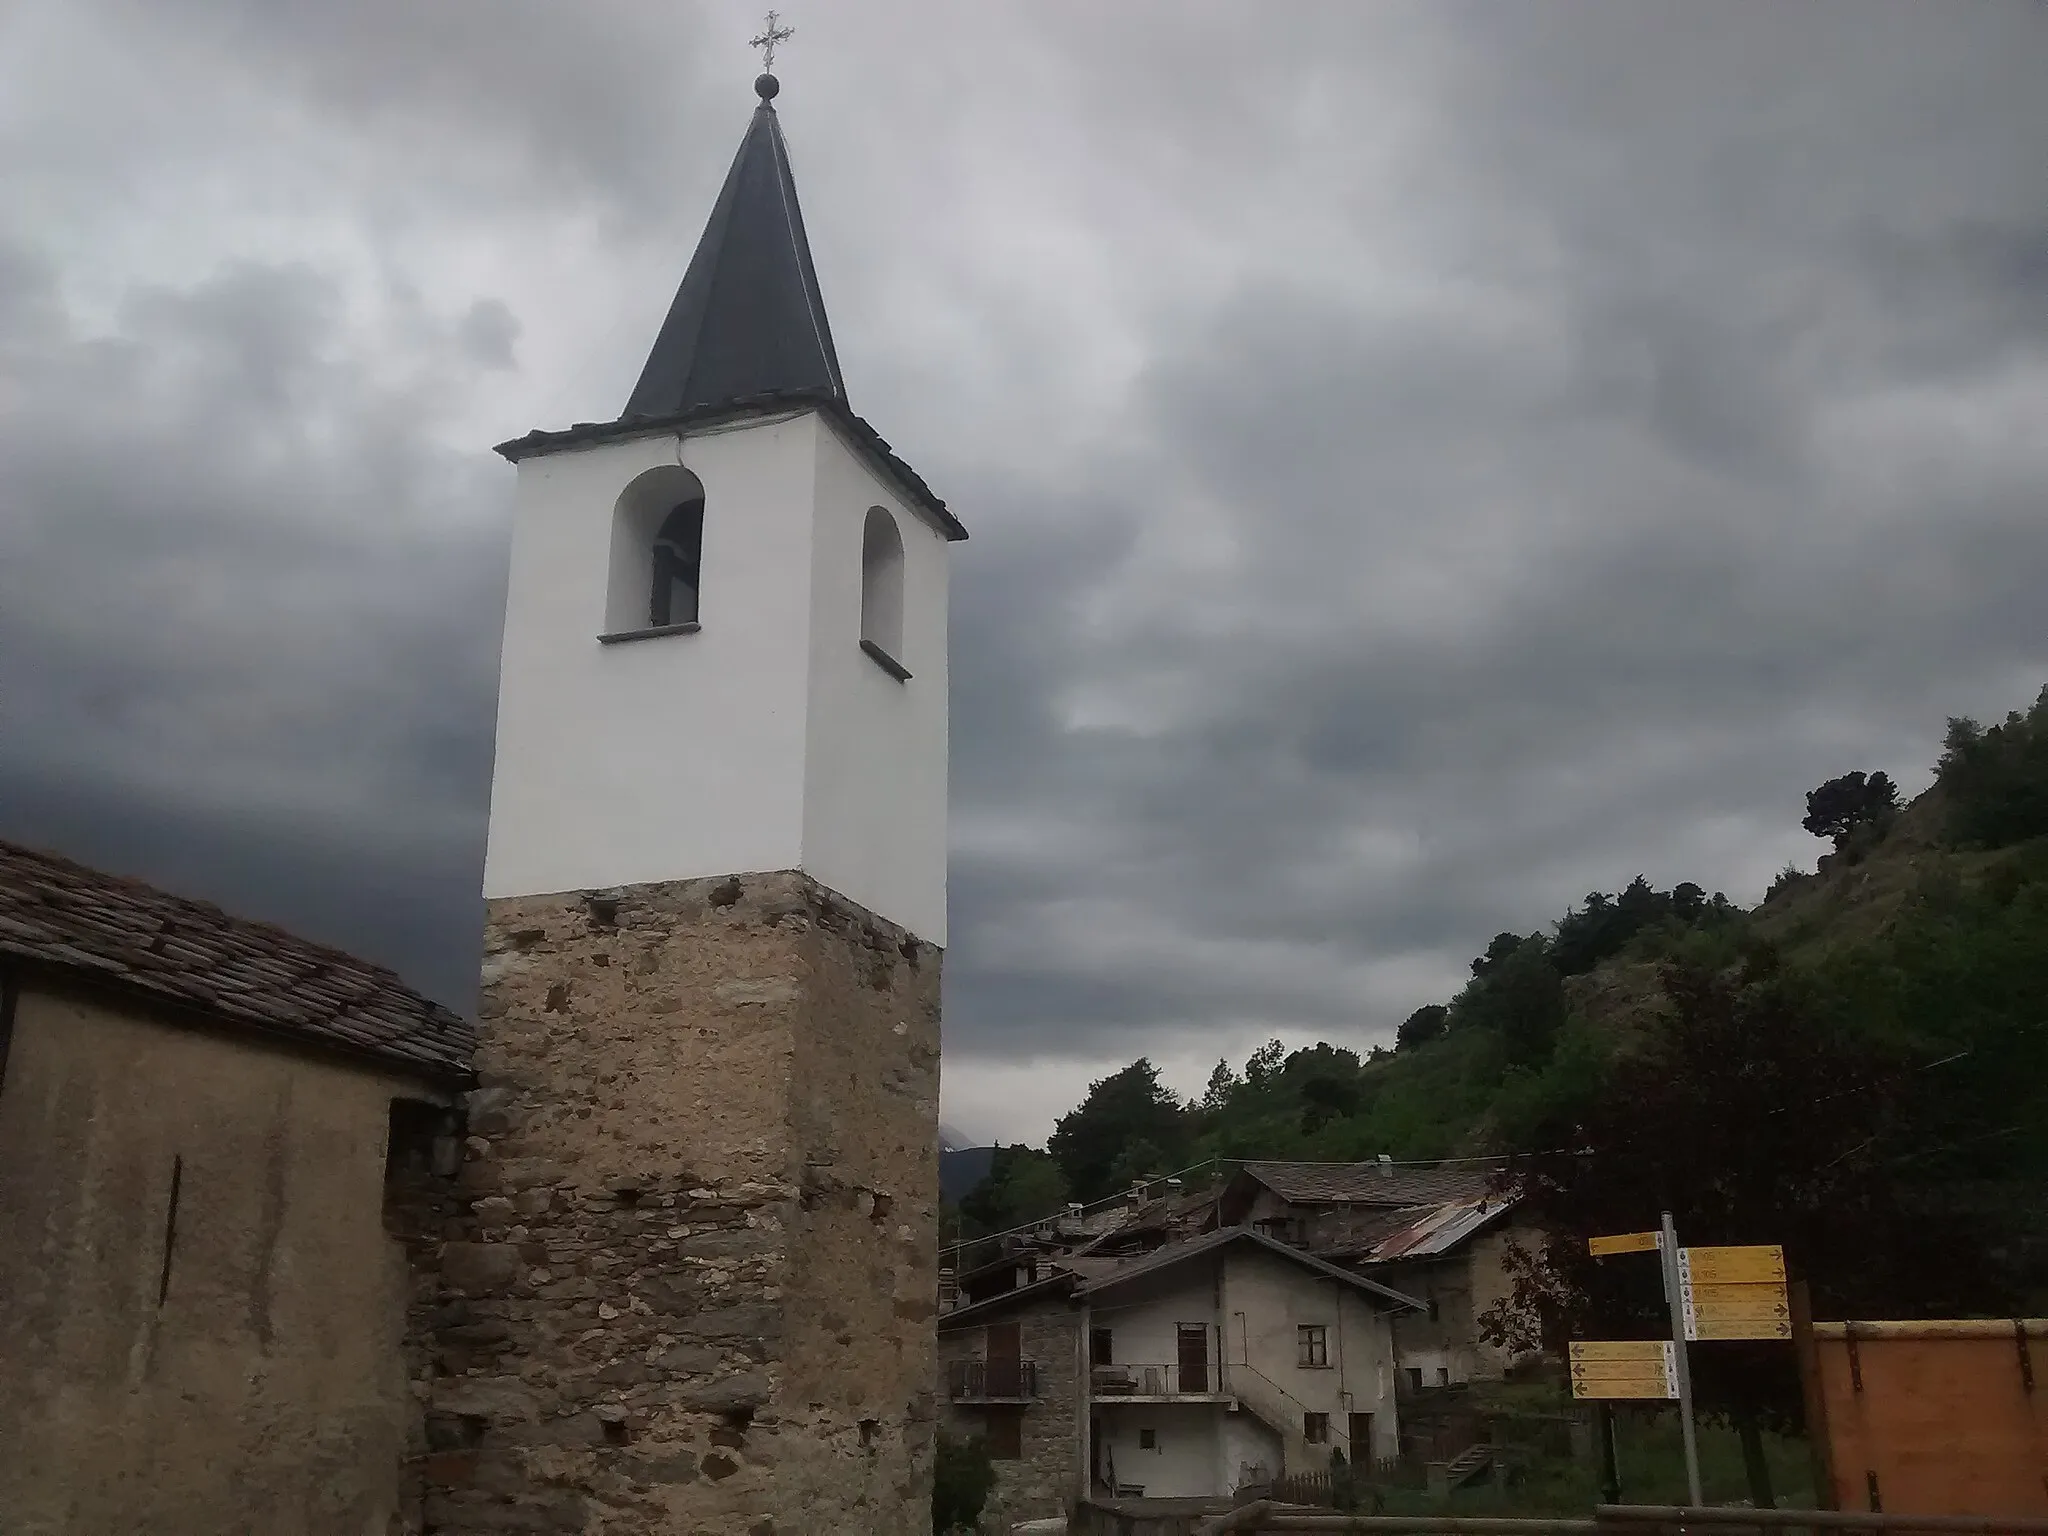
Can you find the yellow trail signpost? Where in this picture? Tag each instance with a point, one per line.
(1733, 1266)
(1714, 1293)
(1624, 1369)
(1734, 1293)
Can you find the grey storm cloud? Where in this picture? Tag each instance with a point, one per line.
(1425, 461)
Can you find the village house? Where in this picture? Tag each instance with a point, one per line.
(1440, 1234)
(1178, 1373)
(208, 1132)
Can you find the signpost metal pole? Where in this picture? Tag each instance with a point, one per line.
(1684, 1366)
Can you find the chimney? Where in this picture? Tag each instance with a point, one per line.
(1386, 1166)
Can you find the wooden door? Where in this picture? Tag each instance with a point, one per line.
(1194, 1357)
(1005, 1360)
(1361, 1440)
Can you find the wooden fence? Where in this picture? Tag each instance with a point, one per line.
(1625, 1520)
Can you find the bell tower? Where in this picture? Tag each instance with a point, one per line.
(725, 637)
(693, 1281)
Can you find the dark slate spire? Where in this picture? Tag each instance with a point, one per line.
(748, 319)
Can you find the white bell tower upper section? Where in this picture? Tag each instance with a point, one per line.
(725, 633)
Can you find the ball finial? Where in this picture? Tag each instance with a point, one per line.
(765, 87)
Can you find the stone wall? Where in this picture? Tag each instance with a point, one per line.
(1049, 1473)
(693, 1285)
(200, 1310)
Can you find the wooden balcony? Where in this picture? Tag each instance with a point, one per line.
(992, 1381)
(1190, 1381)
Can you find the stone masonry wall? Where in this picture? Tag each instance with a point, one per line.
(691, 1287)
(1042, 1481)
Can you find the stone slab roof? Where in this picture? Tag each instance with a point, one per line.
(1370, 1183)
(60, 915)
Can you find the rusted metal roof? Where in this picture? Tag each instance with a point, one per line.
(1435, 1231)
(62, 916)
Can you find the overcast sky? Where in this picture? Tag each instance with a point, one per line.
(1424, 461)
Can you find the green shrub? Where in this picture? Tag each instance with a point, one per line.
(961, 1479)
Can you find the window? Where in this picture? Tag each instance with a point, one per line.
(1098, 1347)
(1415, 1377)
(881, 592)
(1148, 1439)
(657, 555)
(1005, 1434)
(1315, 1428)
(678, 551)
(1443, 1376)
(1434, 1314)
(1312, 1346)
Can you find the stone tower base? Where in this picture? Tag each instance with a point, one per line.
(691, 1283)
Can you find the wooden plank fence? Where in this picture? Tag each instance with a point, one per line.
(1622, 1520)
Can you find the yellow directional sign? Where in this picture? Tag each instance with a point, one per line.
(1733, 1266)
(1648, 1353)
(1764, 1302)
(1739, 1328)
(1734, 1293)
(1624, 1369)
(1625, 1242)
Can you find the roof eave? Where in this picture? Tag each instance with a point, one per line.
(1052, 1286)
(188, 1014)
(862, 437)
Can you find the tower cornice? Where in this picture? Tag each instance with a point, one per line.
(864, 439)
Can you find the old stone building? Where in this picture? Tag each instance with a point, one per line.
(695, 1291)
(208, 1128)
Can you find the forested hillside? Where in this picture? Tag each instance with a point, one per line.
(1904, 986)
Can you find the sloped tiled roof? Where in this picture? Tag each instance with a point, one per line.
(1369, 1183)
(191, 955)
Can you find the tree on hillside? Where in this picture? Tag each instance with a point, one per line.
(1324, 1078)
(1023, 1185)
(1422, 1026)
(1604, 926)
(1138, 1163)
(1752, 1121)
(1122, 1109)
(1518, 995)
(1504, 947)
(1996, 780)
(1221, 1083)
(1840, 806)
(1263, 1065)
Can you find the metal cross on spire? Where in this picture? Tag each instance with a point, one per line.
(770, 36)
